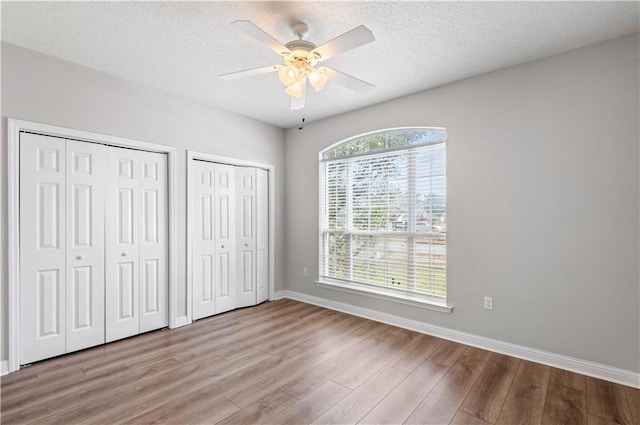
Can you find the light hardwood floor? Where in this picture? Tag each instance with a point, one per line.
(290, 362)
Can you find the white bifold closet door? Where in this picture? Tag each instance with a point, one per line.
(262, 235)
(246, 225)
(230, 237)
(61, 246)
(253, 236)
(136, 242)
(93, 244)
(214, 245)
(214, 242)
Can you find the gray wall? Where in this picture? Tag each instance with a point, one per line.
(543, 201)
(40, 88)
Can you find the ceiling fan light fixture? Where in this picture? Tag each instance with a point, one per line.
(317, 78)
(288, 74)
(313, 58)
(295, 89)
(300, 57)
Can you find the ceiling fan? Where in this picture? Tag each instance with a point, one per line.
(300, 58)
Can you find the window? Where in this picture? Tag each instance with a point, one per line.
(383, 220)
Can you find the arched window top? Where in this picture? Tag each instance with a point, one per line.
(385, 140)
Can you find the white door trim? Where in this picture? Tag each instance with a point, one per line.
(14, 128)
(192, 156)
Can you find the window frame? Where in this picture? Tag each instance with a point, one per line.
(374, 290)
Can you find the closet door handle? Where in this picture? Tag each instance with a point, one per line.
(80, 257)
(222, 246)
(246, 244)
(124, 254)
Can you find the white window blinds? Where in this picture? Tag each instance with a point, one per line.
(383, 216)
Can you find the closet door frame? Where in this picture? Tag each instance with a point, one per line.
(14, 128)
(193, 156)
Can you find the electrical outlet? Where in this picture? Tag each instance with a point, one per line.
(488, 303)
(305, 272)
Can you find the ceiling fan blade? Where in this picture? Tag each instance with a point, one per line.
(348, 81)
(264, 38)
(349, 40)
(249, 72)
(298, 102)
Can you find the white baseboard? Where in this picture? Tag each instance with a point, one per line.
(181, 321)
(4, 367)
(584, 367)
(279, 295)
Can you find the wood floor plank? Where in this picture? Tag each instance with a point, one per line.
(204, 402)
(568, 379)
(47, 371)
(17, 380)
(360, 401)
(402, 401)
(442, 403)
(197, 390)
(386, 332)
(462, 418)
(250, 330)
(316, 353)
(335, 325)
(117, 405)
(240, 326)
(68, 362)
(608, 401)
(215, 380)
(564, 405)
(416, 353)
(98, 358)
(312, 406)
(54, 373)
(525, 401)
(487, 395)
(201, 348)
(208, 413)
(597, 420)
(633, 400)
(265, 311)
(54, 387)
(368, 329)
(301, 386)
(266, 337)
(261, 410)
(59, 402)
(197, 355)
(447, 353)
(376, 360)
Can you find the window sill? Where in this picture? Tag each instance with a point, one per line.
(383, 294)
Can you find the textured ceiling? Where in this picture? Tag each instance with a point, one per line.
(182, 47)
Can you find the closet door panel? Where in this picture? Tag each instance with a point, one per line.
(85, 244)
(122, 196)
(204, 244)
(42, 247)
(225, 235)
(154, 310)
(246, 228)
(262, 235)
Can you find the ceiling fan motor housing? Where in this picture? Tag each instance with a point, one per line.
(301, 49)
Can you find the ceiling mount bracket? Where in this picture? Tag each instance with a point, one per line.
(300, 29)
